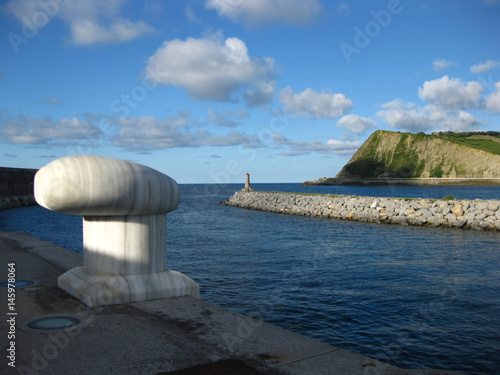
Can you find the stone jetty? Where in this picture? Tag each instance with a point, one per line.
(466, 214)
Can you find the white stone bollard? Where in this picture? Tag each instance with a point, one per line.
(124, 208)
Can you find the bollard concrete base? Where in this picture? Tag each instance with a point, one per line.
(98, 290)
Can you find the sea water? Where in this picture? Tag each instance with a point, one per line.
(411, 296)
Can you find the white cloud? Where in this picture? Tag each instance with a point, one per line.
(410, 117)
(452, 94)
(227, 119)
(310, 103)
(484, 67)
(28, 130)
(332, 146)
(260, 12)
(442, 64)
(493, 100)
(87, 32)
(403, 116)
(356, 124)
(148, 133)
(23, 10)
(90, 21)
(459, 121)
(213, 69)
(261, 94)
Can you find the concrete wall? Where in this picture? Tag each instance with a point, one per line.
(466, 214)
(16, 187)
(16, 181)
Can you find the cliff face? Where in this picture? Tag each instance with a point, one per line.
(388, 154)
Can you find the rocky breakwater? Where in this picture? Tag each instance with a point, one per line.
(466, 214)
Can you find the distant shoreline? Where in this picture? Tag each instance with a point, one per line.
(405, 181)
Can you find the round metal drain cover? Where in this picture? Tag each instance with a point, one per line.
(16, 283)
(53, 322)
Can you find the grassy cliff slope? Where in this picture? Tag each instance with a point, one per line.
(388, 154)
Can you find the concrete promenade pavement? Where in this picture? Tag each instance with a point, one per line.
(179, 335)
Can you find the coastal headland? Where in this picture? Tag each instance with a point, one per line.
(404, 181)
(395, 158)
(465, 214)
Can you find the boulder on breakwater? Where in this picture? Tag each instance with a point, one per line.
(466, 214)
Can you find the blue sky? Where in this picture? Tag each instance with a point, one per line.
(207, 90)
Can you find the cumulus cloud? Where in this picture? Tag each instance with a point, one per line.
(310, 103)
(65, 131)
(413, 118)
(260, 94)
(259, 12)
(213, 69)
(148, 133)
(332, 146)
(356, 124)
(484, 67)
(493, 100)
(442, 64)
(90, 21)
(459, 121)
(452, 94)
(405, 116)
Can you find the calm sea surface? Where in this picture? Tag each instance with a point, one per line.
(412, 296)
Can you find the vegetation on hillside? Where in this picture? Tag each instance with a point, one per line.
(403, 156)
(400, 162)
(489, 133)
(486, 141)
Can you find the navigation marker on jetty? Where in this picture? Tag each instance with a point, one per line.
(247, 183)
(124, 207)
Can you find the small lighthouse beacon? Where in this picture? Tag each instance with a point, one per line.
(247, 183)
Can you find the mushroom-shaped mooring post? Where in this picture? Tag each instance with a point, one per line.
(124, 207)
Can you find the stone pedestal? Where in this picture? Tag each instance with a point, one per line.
(124, 206)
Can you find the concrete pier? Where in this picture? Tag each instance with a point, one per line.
(177, 336)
